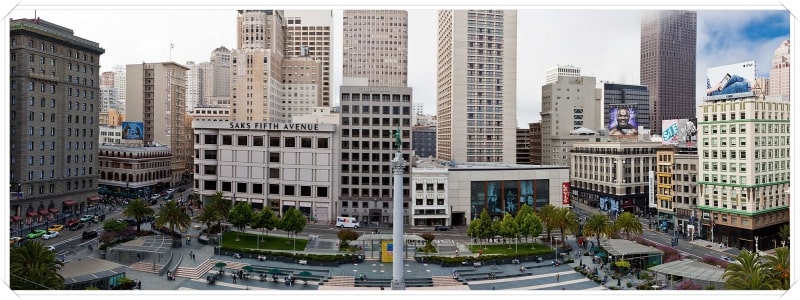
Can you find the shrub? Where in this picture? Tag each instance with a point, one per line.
(689, 285)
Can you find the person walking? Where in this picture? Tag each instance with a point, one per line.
(558, 277)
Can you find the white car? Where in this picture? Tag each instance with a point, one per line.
(51, 248)
(155, 197)
(728, 259)
(50, 235)
(170, 191)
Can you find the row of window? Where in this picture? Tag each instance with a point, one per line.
(258, 141)
(272, 189)
(76, 185)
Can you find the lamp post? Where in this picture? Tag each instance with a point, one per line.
(756, 244)
(783, 243)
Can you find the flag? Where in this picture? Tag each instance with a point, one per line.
(171, 45)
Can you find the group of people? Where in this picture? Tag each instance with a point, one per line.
(362, 277)
(170, 276)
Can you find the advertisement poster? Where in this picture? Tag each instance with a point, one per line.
(622, 122)
(386, 251)
(565, 193)
(493, 197)
(679, 132)
(731, 79)
(132, 130)
(511, 194)
(526, 193)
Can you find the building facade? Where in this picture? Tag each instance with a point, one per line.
(376, 46)
(476, 104)
(568, 104)
(779, 79)
(668, 64)
(269, 165)
(110, 134)
(370, 116)
(424, 141)
(744, 170)
(157, 98)
(430, 206)
(55, 104)
(613, 176)
(302, 86)
(211, 113)
(536, 142)
(308, 34)
(523, 146)
(675, 184)
(133, 172)
(631, 96)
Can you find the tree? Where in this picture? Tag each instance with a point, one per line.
(138, 209)
(220, 207)
(473, 228)
(533, 226)
(292, 222)
(521, 218)
(546, 213)
(507, 228)
(207, 217)
(240, 216)
(484, 231)
(747, 274)
(347, 235)
(565, 220)
(173, 216)
(783, 233)
(265, 219)
(34, 267)
(628, 223)
(598, 225)
(114, 226)
(779, 267)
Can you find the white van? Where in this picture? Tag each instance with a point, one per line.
(347, 222)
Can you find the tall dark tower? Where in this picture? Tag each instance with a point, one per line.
(668, 64)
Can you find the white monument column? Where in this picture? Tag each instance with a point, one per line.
(398, 244)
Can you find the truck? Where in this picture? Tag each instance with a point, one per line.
(347, 222)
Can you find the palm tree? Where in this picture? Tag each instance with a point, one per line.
(628, 223)
(220, 207)
(747, 273)
(207, 217)
(565, 220)
(546, 214)
(173, 215)
(34, 267)
(598, 225)
(138, 209)
(779, 267)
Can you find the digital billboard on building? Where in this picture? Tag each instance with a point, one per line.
(622, 121)
(679, 132)
(565, 193)
(731, 79)
(132, 130)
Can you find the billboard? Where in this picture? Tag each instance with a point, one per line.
(387, 250)
(622, 121)
(731, 79)
(565, 193)
(679, 132)
(132, 130)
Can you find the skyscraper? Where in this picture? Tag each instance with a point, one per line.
(668, 63)
(308, 34)
(779, 73)
(55, 101)
(194, 85)
(477, 86)
(376, 46)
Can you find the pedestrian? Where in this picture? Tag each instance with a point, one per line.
(139, 284)
(558, 276)
(139, 256)
(234, 277)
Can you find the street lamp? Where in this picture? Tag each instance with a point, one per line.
(783, 243)
(756, 244)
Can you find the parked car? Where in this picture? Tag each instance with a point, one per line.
(51, 248)
(728, 259)
(15, 240)
(155, 197)
(56, 227)
(169, 197)
(73, 222)
(170, 191)
(154, 201)
(50, 235)
(181, 189)
(89, 234)
(87, 218)
(76, 226)
(442, 228)
(36, 234)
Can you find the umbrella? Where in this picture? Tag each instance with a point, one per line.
(600, 254)
(248, 268)
(304, 276)
(220, 265)
(275, 271)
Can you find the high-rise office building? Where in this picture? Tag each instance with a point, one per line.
(302, 86)
(743, 180)
(668, 64)
(477, 86)
(55, 101)
(308, 34)
(779, 73)
(194, 85)
(261, 29)
(157, 98)
(523, 146)
(120, 84)
(536, 142)
(568, 104)
(376, 46)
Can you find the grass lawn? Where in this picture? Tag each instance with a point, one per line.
(521, 248)
(270, 242)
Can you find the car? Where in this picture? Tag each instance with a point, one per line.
(50, 235)
(73, 222)
(154, 201)
(76, 226)
(155, 197)
(51, 248)
(170, 191)
(57, 227)
(442, 228)
(89, 234)
(728, 259)
(181, 189)
(15, 240)
(87, 218)
(36, 234)
(169, 197)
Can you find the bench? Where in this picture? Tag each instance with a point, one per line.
(302, 262)
(477, 264)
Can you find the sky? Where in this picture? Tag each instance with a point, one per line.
(603, 43)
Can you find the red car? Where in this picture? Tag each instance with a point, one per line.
(73, 222)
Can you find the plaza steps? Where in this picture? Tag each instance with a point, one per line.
(205, 267)
(439, 281)
(341, 281)
(146, 267)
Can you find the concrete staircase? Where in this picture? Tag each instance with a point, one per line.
(205, 267)
(445, 281)
(146, 267)
(341, 281)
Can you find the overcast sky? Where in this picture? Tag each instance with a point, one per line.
(603, 43)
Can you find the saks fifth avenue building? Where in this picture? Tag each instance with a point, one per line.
(270, 165)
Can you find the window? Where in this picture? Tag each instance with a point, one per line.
(288, 190)
(274, 189)
(274, 141)
(289, 142)
(226, 186)
(227, 140)
(305, 142)
(258, 188)
(322, 191)
(210, 139)
(210, 154)
(241, 187)
(305, 191)
(275, 173)
(275, 157)
(241, 140)
(258, 141)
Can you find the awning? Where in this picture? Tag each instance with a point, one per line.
(70, 202)
(43, 212)
(53, 210)
(32, 214)
(93, 198)
(16, 218)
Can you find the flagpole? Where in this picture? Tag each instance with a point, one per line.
(171, 45)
